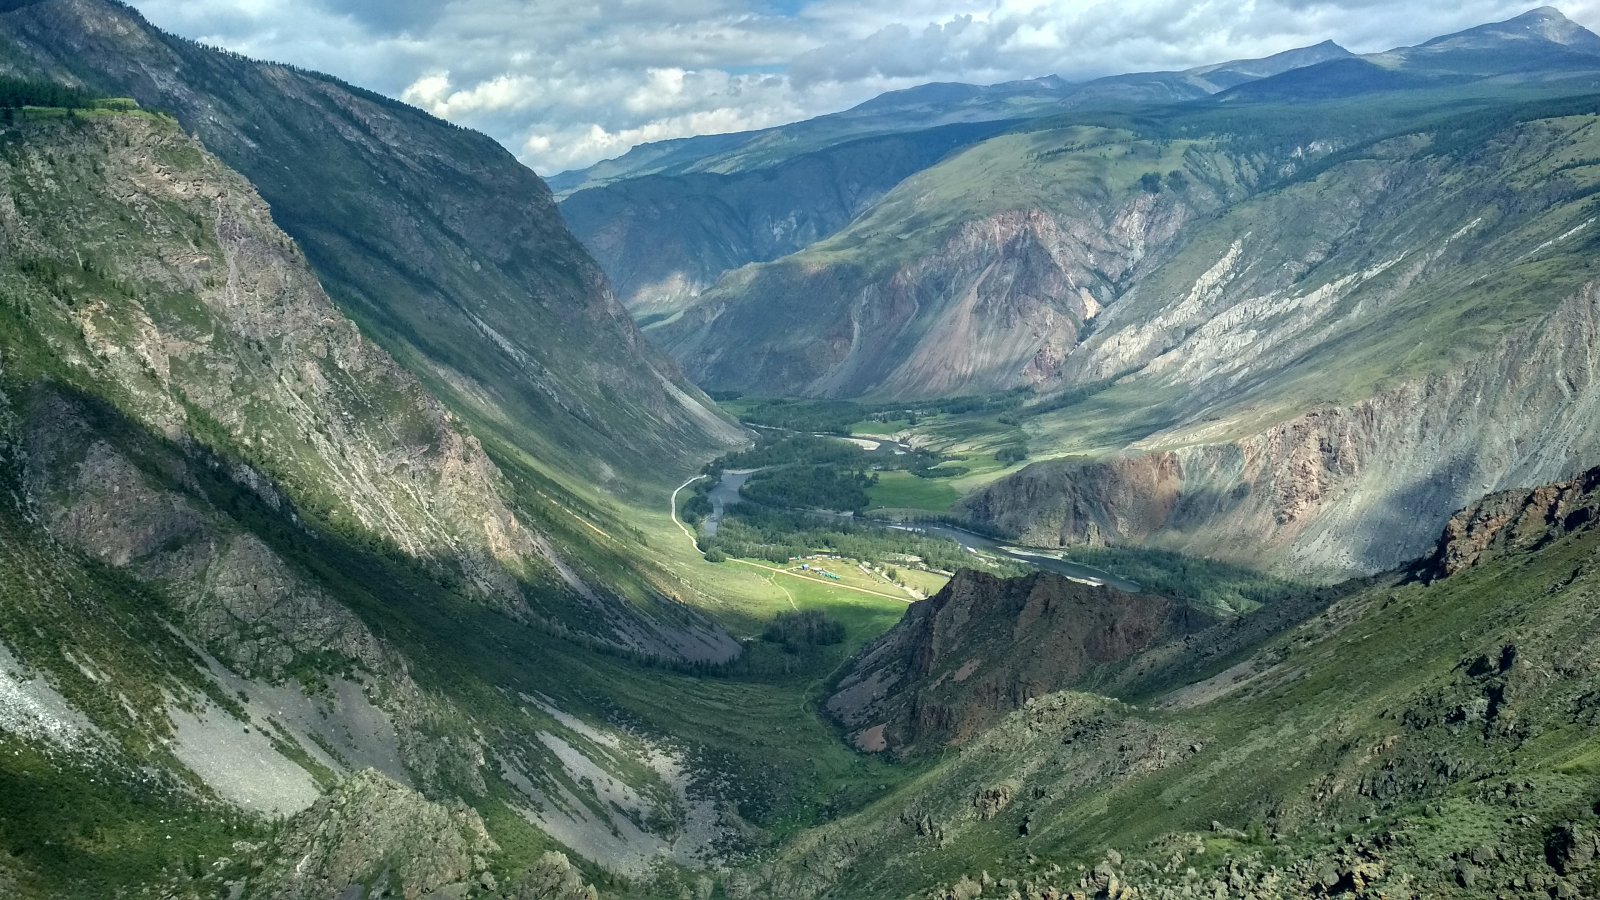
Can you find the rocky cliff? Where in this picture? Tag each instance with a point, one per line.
(244, 554)
(1342, 489)
(157, 277)
(994, 303)
(1293, 341)
(1320, 393)
(1512, 522)
(666, 220)
(984, 646)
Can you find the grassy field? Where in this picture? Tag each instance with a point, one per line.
(851, 575)
(903, 490)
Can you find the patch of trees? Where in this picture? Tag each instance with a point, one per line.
(800, 630)
(16, 93)
(811, 450)
(696, 508)
(811, 487)
(836, 416)
(824, 416)
(1202, 582)
(776, 535)
(1012, 453)
(800, 448)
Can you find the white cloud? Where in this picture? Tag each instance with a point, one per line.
(565, 84)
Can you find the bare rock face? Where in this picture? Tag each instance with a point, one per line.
(160, 278)
(999, 303)
(663, 239)
(372, 837)
(552, 877)
(238, 596)
(1513, 521)
(216, 328)
(983, 647)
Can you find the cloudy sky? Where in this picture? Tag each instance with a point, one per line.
(564, 83)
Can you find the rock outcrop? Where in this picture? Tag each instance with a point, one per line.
(997, 303)
(985, 646)
(1339, 490)
(169, 288)
(663, 239)
(1513, 521)
(372, 837)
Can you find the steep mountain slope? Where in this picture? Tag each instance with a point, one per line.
(928, 106)
(1333, 384)
(941, 290)
(180, 301)
(439, 244)
(1409, 740)
(1022, 239)
(247, 555)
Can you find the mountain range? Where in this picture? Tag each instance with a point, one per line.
(367, 528)
(1226, 313)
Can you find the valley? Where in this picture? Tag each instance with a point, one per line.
(1167, 484)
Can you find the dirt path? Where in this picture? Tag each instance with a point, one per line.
(773, 580)
(672, 507)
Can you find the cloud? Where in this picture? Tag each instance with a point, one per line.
(564, 84)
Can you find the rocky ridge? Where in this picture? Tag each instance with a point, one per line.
(985, 646)
(1512, 522)
(209, 326)
(1338, 490)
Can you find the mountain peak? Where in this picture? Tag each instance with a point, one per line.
(1544, 25)
(1227, 74)
(1542, 14)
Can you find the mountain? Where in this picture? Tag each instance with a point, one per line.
(300, 599)
(300, 525)
(1317, 427)
(1537, 31)
(1398, 739)
(434, 239)
(246, 555)
(1221, 76)
(700, 225)
(1324, 81)
(926, 106)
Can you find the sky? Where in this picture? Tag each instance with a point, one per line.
(564, 84)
